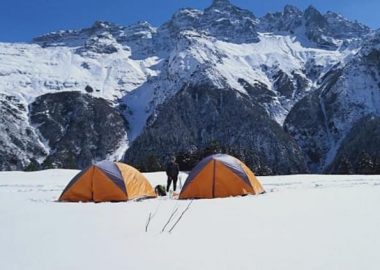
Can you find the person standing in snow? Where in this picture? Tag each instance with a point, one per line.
(172, 171)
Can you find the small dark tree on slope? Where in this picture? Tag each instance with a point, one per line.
(32, 166)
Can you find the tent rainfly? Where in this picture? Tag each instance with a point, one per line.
(107, 181)
(220, 176)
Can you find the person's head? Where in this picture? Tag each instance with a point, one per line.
(172, 159)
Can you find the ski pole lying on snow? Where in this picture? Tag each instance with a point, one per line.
(183, 212)
(170, 218)
(151, 216)
(148, 221)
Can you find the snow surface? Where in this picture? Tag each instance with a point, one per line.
(303, 222)
(33, 71)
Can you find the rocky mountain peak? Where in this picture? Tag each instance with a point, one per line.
(76, 38)
(371, 47)
(142, 24)
(344, 28)
(141, 28)
(186, 17)
(221, 20)
(217, 3)
(291, 10)
(102, 25)
(314, 17)
(221, 8)
(329, 31)
(312, 11)
(102, 28)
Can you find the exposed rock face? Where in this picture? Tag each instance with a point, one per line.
(221, 20)
(104, 38)
(78, 129)
(100, 44)
(18, 141)
(321, 121)
(199, 116)
(64, 130)
(306, 123)
(230, 23)
(328, 31)
(360, 151)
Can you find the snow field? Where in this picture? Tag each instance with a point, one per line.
(303, 222)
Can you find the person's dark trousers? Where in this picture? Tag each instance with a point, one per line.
(170, 180)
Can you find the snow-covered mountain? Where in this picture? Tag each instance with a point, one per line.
(328, 31)
(347, 102)
(138, 72)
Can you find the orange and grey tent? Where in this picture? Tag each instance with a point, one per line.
(107, 181)
(220, 176)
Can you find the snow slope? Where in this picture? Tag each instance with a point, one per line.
(303, 222)
(30, 70)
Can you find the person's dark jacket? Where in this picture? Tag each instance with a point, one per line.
(172, 169)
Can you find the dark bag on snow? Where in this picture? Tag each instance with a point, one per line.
(160, 190)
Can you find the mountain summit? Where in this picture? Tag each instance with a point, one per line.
(220, 2)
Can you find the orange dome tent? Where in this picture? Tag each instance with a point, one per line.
(107, 181)
(220, 176)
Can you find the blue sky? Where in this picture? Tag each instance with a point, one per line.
(21, 20)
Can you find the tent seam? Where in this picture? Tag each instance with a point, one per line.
(213, 184)
(125, 184)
